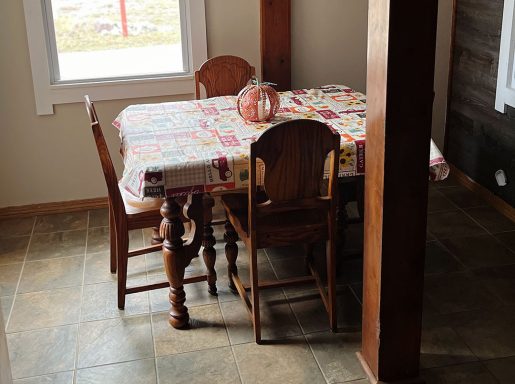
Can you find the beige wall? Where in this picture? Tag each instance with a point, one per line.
(53, 158)
(329, 43)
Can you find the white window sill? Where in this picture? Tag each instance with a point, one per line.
(47, 94)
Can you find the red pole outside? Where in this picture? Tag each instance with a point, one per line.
(123, 14)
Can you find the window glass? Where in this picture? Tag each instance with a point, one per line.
(104, 39)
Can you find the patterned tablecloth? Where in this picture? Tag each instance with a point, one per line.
(197, 146)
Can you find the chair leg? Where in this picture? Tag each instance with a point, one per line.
(123, 258)
(231, 253)
(208, 242)
(331, 284)
(112, 239)
(254, 294)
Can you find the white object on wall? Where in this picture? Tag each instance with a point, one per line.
(505, 94)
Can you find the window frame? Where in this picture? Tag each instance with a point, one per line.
(505, 92)
(48, 94)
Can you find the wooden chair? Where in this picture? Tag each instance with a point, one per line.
(223, 76)
(123, 217)
(293, 210)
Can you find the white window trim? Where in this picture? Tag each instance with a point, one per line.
(47, 94)
(505, 94)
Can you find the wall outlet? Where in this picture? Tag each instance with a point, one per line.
(500, 176)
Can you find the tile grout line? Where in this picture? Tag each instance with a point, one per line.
(21, 273)
(76, 359)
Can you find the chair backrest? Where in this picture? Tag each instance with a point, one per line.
(223, 76)
(294, 153)
(105, 159)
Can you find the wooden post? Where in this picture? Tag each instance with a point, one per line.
(276, 43)
(401, 58)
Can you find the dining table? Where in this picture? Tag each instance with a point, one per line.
(186, 151)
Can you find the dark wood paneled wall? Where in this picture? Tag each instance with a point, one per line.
(480, 140)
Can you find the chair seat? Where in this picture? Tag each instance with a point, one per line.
(276, 230)
(142, 213)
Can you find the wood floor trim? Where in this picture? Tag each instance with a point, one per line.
(53, 208)
(496, 202)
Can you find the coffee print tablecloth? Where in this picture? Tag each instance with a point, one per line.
(178, 148)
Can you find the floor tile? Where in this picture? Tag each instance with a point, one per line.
(462, 197)
(115, 341)
(57, 244)
(336, 355)
(97, 268)
(16, 227)
(444, 225)
(45, 309)
(98, 239)
(54, 378)
(442, 346)
(61, 222)
(277, 320)
(291, 359)
(13, 249)
(480, 251)
(457, 292)
(9, 276)
(99, 217)
(507, 238)
(286, 252)
(438, 202)
(196, 294)
(6, 303)
(133, 372)
(499, 281)
(44, 351)
(312, 316)
(100, 302)
(471, 373)
(212, 366)
(502, 369)
(52, 273)
(491, 219)
(439, 260)
(206, 330)
(490, 334)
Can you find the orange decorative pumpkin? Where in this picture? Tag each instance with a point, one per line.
(258, 101)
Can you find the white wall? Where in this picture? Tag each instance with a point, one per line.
(53, 158)
(329, 43)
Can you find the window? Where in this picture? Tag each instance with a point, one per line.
(505, 94)
(113, 49)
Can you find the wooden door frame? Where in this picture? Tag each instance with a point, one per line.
(400, 82)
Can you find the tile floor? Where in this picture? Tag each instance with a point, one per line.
(59, 303)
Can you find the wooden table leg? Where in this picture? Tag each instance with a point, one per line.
(156, 237)
(208, 242)
(231, 252)
(178, 255)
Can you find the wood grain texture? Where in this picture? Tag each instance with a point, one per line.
(276, 42)
(479, 140)
(122, 216)
(292, 209)
(223, 76)
(53, 208)
(399, 109)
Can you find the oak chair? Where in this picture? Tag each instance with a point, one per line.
(293, 211)
(123, 217)
(223, 76)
